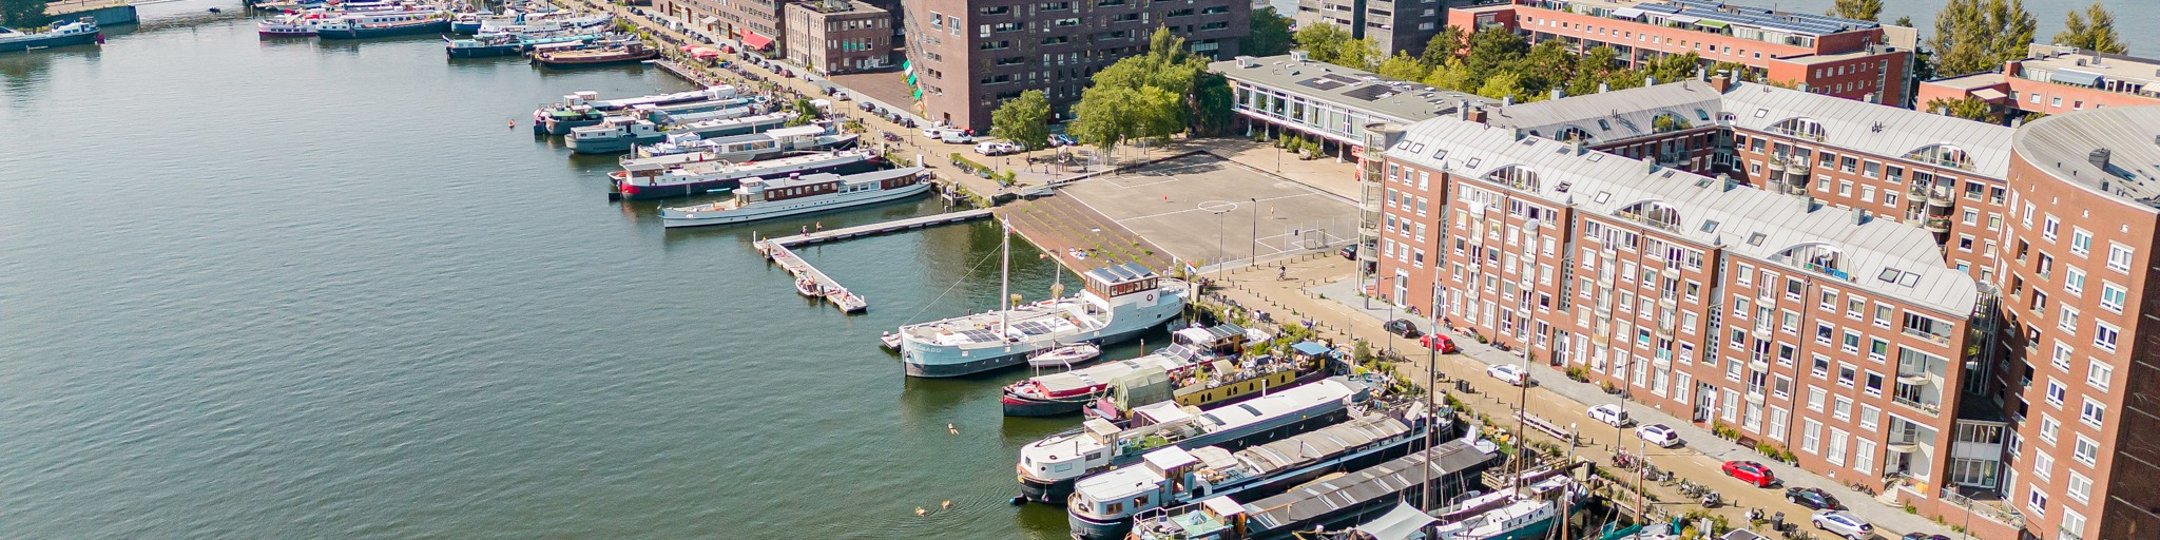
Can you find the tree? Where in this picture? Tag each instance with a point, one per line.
(1321, 41)
(1270, 34)
(1452, 75)
(1444, 45)
(806, 112)
(1492, 48)
(1972, 36)
(1739, 71)
(1362, 54)
(1150, 96)
(1866, 10)
(1969, 108)
(1503, 85)
(2095, 31)
(1403, 67)
(25, 14)
(1024, 120)
(1212, 104)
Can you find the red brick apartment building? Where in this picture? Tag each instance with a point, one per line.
(1826, 55)
(1947, 309)
(2055, 80)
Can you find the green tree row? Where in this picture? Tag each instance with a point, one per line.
(1497, 63)
(1152, 96)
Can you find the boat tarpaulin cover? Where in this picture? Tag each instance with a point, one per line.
(1310, 348)
(1397, 524)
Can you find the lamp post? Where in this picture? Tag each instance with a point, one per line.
(1255, 258)
(1221, 218)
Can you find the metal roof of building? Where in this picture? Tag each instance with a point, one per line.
(1403, 101)
(2092, 66)
(2115, 150)
(1305, 448)
(1846, 124)
(1785, 21)
(1748, 222)
(1327, 496)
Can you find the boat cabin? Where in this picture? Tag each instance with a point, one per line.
(1110, 283)
(796, 186)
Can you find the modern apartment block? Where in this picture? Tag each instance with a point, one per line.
(839, 36)
(757, 24)
(2055, 80)
(1396, 25)
(967, 56)
(1328, 102)
(1948, 310)
(1820, 54)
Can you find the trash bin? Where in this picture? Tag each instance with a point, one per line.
(1462, 386)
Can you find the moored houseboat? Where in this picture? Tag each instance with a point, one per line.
(684, 182)
(759, 198)
(83, 31)
(630, 53)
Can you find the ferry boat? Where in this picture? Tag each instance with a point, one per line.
(685, 182)
(83, 31)
(1048, 468)
(1118, 303)
(387, 24)
(758, 198)
(291, 24)
(1102, 506)
(1221, 383)
(626, 54)
(1450, 468)
(530, 26)
(686, 149)
(585, 108)
(620, 134)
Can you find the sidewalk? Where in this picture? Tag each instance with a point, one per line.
(1316, 288)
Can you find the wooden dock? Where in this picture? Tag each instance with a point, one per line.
(779, 251)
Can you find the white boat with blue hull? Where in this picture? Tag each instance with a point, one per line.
(585, 108)
(620, 134)
(82, 31)
(759, 198)
(1102, 506)
(1049, 467)
(1524, 513)
(1119, 303)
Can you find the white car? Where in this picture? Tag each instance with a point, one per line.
(1611, 415)
(1842, 524)
(1659, 434)
(956, 137)
(1508, 374)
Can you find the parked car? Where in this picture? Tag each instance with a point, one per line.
(1659, 434)
(1842, 524)
(867, 107)
(1611, 415)
(1440, 343)
(1508, 373)
(1401, 327)
(1348, 252)
(1813, 499)
(1750, 472)
(1059, 139)
(996, 148)
(957, 137)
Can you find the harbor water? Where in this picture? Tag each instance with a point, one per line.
(290, 289)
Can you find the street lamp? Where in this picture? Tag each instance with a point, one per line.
(1221, 218)
(1255, 258)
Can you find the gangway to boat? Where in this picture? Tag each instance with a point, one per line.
(779, 250)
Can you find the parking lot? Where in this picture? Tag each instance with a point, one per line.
(1204, 209)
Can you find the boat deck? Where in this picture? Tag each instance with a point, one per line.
(779, 250)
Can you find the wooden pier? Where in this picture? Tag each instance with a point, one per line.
(779, 251)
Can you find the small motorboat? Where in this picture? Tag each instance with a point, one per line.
(808, 287)
(891, 340)
(1066, 356)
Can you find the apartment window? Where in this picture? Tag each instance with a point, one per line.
(2068, 321)
(2118, 257)
(2034, 500)
(1836, 453)
(1863, 456)
(1845, 374)
(1810, 435)
(2055, 392)
(2104, 336)
(1869, 417)
(2094, 413)
(1874, 384)
(1842, 409)
(2080, 241)
(2080, 487)
(2048, 225)
(1778, 417)
(2086, 451)
(2049, 428)
(2099, 375)
(2073, 280)
(1815, 398)
(1821, 369)
(2112, 297)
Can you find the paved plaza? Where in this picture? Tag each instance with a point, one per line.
(1204, 209)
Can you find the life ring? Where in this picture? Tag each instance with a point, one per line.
(1150, 297)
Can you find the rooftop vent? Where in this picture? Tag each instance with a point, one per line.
(1247, 62)
(2098, 157)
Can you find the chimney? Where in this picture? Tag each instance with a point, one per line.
(2098, 157)
(1869, 97)
(2015, 122)
(1603, 88)
(1506, 101)
(1575, 146)
(1859, 217)
(1558, 93)
(1462, 107)
(1475, 115)
(1649, 81)
(1722, 82)
(1298, 56)
(1247, 61)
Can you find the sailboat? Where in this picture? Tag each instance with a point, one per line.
(1118, 302)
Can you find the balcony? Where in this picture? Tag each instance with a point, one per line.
(1923, 334)
(1929, 407)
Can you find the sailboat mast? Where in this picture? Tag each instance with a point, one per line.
(1004, 278)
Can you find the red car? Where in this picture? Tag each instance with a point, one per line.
(1440, 343)
(1750, 472)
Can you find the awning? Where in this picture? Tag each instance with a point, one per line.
(1903, 448)
(705, 52)
(2071, 76)
(1627, 13)
(1711, 24)
(754, 41)
(1683, 19)
(1989, 95)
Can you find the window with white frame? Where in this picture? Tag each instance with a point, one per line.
(2048, 428)
(2118, 257)
(2078, 487)
(2112, 297)
(2086, 451)
(2098, 376)
(2055, 392)
(1810, 435)
(2036, 501)
(2094, 413)
(1869, 417)
(1836, 452)
(2080, 241)
(2104, 336)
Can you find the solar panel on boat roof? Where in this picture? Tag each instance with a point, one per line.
(1033, 328)
(979, 335)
